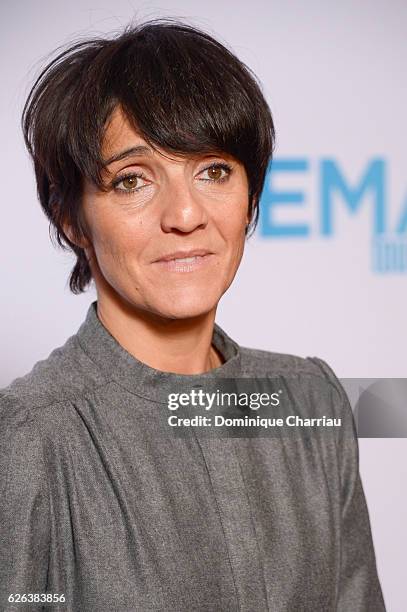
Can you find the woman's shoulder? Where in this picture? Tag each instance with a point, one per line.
(313, 373)
(310, 378)
(259, 362)
(66, 373)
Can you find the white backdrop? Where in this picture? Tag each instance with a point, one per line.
(334, 75)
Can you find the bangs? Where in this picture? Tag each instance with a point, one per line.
(181, 96)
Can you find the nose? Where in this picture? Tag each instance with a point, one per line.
(183, 209)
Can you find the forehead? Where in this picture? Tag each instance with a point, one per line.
(118, 133)
(122, 136)
(122, 140)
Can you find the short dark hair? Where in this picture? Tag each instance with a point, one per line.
(183, 90)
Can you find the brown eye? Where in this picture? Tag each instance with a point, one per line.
(215, 173)
(130, 182)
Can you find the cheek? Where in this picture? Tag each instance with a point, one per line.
(117, 239)
(234, 206)
(231, 221)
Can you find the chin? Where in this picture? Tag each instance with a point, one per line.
(177, 307)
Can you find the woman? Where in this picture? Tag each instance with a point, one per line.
(150, 151)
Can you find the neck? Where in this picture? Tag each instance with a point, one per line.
(181, 346)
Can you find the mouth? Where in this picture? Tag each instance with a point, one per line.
(188, 263)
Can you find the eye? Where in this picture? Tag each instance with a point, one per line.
(217, 172)
(130, 183)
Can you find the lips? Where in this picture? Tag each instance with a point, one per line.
(184, 255)
(180, 262)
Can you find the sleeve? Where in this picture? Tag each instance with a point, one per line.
(24, 509)
(359, 586)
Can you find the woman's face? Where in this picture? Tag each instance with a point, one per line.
(156, 211)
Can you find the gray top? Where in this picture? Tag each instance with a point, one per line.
(97, 505)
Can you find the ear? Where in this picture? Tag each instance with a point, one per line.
(60, 219)
(81, 242)
(250, 210)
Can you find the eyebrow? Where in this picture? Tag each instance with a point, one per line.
(138, 150)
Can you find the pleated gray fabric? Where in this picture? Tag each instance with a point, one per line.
(98, 505)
